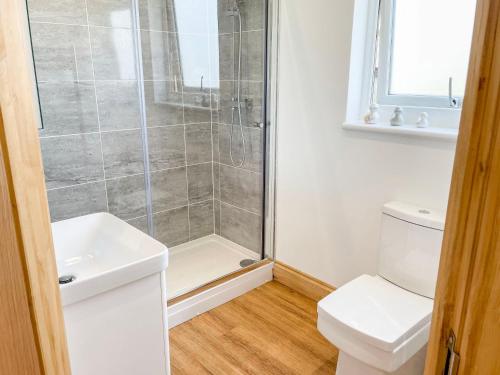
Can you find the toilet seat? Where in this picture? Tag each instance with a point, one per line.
(376, 321)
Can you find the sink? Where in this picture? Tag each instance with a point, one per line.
(114, 299)
(103, 252)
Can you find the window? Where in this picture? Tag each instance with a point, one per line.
(422, 52)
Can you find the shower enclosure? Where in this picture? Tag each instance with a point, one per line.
(154, 111)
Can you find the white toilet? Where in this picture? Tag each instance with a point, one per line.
(380, 324)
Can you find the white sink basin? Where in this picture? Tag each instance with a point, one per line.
(103, 252)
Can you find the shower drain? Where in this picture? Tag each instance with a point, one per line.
(247, 262)
(66, 279)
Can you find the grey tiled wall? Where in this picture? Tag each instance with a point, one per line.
(239, 190)
(92, 140)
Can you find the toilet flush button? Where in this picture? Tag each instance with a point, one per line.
(424, 212)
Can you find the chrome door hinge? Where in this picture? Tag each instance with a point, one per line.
(452, 357)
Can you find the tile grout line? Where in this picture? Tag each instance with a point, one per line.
(136, 218)
(187, 181)
(67, 135)
(211, 123)
(76, 64)
(97, 104)
(75, 185)
(185, 151)
(241, 168)
(127, 176)
(179, 207)
(123, 130)
(145, 80)
(219, 200)
(169, 209)
(142, 29)
(239, 208)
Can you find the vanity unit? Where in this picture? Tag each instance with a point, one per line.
(113, 293)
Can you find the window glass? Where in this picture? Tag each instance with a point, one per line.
(431, 42)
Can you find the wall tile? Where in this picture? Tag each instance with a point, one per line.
(164, 103)
(200, 187)
(140, 223)
(68, 108)
(196, 106)
(201, 219)
(253, 15)
(61, 52)
(241, 227)
(60, 11)
(71, 160)
(241, 188)
(157, 15)
(226, 60)
(111, 13)
(127, 197)
(166, 147)
(74, 201)
(169, 189)
(199, 143)
(172, 227)
(122, 152)
(252, 59)
(222, 19)
(113, 53)
(118, 105)
(254, 146)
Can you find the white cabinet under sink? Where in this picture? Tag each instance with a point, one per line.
(115, 309)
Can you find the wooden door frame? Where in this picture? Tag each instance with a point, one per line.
(31, 316)
(468, 287)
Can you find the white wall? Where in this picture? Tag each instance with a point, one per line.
(331, 183)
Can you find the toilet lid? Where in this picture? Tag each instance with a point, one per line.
(377, 311)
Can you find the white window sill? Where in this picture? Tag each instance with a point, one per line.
(406, 130)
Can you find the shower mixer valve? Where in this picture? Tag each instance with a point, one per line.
(248, 103)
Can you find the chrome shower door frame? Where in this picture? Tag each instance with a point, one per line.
(271, 121)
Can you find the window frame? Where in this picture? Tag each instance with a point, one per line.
(381, 72)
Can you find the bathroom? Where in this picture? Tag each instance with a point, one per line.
(221, 181)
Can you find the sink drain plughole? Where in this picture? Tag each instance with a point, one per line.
(66, 279)
(247, 262)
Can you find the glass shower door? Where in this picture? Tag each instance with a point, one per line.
(153, 110)
(208, 196)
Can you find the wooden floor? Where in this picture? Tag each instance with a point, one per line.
(271, 330)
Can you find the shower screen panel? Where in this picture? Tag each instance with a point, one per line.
(153, 110)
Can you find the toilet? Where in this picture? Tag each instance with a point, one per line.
(381, 323)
